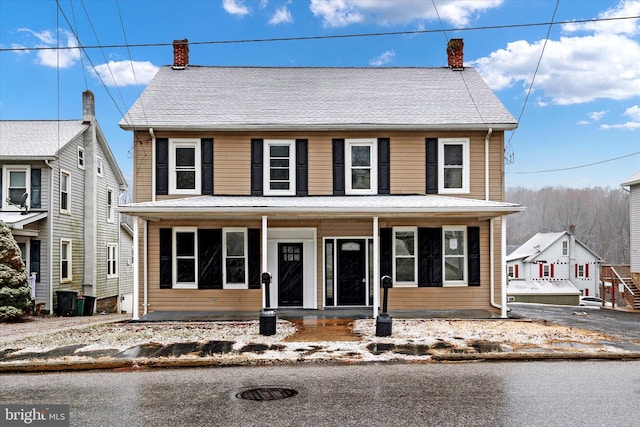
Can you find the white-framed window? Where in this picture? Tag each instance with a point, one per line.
(65, 260)
(361, 166)
(99, 167)
(65, 192)
(80, 157)
(546, 270)
(112, 260)
(110, 207)
(565, 248)
(185, 258)
(234, 253)
(184, 166)
(405, 261)
(454, 164)
(511, 272)
(581, 269)
(16, 183)
(455, 255)
(279, 167)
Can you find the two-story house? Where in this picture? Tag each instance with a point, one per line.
(553, 268)
(327, 178)
(59, 190)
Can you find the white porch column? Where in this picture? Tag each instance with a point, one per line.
(503, 269)
(145, 267)
(376, 267)
(136, 271)
(264, 257)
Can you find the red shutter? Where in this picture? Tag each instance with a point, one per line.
(551, 270)
(516, 271)
(586, 270)
(576, 270)
(541, 271)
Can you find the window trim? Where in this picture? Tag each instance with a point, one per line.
(81, 158)
(191, 143)
(546, 270)
(414, 282)
(67, 209)
(99, 167)
(174, 272)
(110, 208)
(6, 171)
(465, 256)
(112, 260)
(581, 271)
(466, 165)
(511, 271)
(244, 285)
(266, 169)
(565, 248)
(69, 260)
(372, 143)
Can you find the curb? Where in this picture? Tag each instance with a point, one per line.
(140, 364)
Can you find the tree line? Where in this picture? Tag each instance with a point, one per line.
(600, 216)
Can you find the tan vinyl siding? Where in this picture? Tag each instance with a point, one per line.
(320, 160)
(142, 167)
(408, 165)
(232, 165)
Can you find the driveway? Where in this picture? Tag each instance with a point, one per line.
(624, 324)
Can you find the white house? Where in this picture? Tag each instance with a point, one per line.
(553, 264)
(634, 216)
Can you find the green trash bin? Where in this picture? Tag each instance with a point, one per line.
(80, 306)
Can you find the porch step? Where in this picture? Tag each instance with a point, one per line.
(318, 330)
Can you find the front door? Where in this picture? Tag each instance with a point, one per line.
(351, 272)
(290, 274)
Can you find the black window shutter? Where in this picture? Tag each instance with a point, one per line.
(34, 259)
(210, 258)
(36, 188)
(386, 253)
(166, 272)
(432, 165)
(301, 168)
(206, 145)
(338, 167)
(162, 166)
(384, 166)
(429, 257)
(254, 258)
(473, 243)
(256, 167)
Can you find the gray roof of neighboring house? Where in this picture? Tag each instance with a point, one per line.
(633, 180)
(322, 98)
(541, 287)
(36, 138)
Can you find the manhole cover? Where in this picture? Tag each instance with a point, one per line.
(267, 393)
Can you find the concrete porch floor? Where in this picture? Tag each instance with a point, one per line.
(301, 314)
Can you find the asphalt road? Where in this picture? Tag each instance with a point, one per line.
(469, 394)
(623, 324)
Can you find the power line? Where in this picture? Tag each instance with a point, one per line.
(576, 167)
(328, 37)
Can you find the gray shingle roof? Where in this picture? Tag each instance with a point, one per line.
(237, 98)
(36, 138)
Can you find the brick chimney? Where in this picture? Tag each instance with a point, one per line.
(455, 58)
(180, 54)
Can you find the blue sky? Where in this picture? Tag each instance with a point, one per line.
(583, 107)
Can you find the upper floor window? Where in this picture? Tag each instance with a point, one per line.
(279, 170)
(65, 191)
(17, 181)
(234, 253)
(453, 158)
(184, 166)
(80, 158)
(110, 209)
(455, 256)
(565, 247)
(361, 164)
(99, 167)
(404, 255)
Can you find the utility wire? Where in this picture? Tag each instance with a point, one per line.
(335, 36)
(576, 167)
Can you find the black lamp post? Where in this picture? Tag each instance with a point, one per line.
(383, 322)
(267, 314)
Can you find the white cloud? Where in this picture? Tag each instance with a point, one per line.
(282, 16)
(601, 64)
(633, 112)
(340, 13)
(627, 125)
(385, 58)
(235, 7)
(48, 55)
(122, 73)
(597, 115)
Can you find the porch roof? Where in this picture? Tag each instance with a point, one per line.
(17, 220)
(320, 206)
